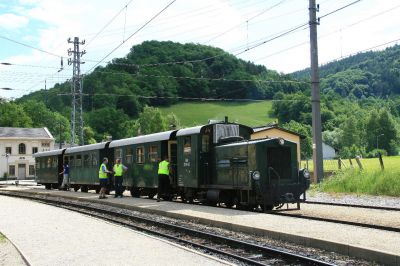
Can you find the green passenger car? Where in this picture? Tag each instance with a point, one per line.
(141, 155)
(84, 164)
(48, 166)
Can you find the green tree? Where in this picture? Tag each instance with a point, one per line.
(13, 115)
(151, 120)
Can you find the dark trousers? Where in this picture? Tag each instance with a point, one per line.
(163, 185)
(118, 185)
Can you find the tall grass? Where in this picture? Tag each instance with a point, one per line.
(373, 182)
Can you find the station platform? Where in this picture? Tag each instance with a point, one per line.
(47, 235)
(370, 244)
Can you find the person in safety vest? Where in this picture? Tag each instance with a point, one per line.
(163, 178)
(118, 169)
(103, 178)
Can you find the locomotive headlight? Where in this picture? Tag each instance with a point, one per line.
(281, 141)
(306, 173)
(256, 175)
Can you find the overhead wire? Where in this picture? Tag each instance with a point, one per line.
(130, 36)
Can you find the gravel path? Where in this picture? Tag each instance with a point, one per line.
(380, 201)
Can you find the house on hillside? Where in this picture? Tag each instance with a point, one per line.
(328, 152)
(274, 131)
(16, 148)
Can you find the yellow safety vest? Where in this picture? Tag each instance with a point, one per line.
(102, 175)
(118, 169)
(163, 168)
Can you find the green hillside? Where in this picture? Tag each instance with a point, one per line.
(251, 114)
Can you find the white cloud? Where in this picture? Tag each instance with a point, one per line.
(10, 21)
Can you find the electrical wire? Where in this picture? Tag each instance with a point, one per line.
(130, 36)
(30, 46)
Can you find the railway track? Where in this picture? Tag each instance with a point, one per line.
(353, 205)
(238, 250)
(338, 221)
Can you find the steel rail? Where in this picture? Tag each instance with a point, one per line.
(189, 231)
(353, 205)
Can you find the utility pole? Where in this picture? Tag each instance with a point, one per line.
(76, 90)
(315, 96)
(45, 92)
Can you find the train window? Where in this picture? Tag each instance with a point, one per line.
(86, 160)
(55, 162)
(205, 143)
(128, 155)
(153, 153)
(37, 163)
(118, 154)
(78, 161)
(94, 159)
(43, 163)
(187, 146)
(140, 154)
(71, 161)
(48, 165)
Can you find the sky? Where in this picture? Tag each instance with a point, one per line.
(233, 25)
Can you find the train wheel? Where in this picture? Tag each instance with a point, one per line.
(76, 188)
(266, 208)
(135, 192)
(84, 189)
(151, 195)
(47, 186)
(229, 204)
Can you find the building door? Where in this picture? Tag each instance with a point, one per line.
(21, 171)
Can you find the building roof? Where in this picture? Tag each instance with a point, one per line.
(31, 133)
(275, 126)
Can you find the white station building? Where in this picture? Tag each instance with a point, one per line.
(16, 148)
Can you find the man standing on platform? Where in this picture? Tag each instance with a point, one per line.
(65, 173)
(163, 178)
(103, 178)
(118, 169)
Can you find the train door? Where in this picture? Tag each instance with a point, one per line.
(173, 158)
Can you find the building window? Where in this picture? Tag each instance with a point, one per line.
(128, 156)
(45, 144)
(11, 170)
(21, 148)
(8, 150)
(187, 147)
(34, 150)
(153, 154)
(140, 155)
(31, 170)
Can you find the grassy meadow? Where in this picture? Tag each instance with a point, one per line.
(195, 113)
(371, 180)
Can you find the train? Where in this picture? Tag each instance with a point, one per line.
(215, 163)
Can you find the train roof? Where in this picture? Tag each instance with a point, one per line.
(253, 141)
(189, 131)
(142, 139)
(90, 147)
(197, 129)
(48, 153)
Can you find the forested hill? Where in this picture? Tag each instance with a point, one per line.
(147, 71)
(362, 75)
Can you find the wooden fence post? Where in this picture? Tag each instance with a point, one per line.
(359, 162)
(381, 161)
(339, 164)
(351, 163)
